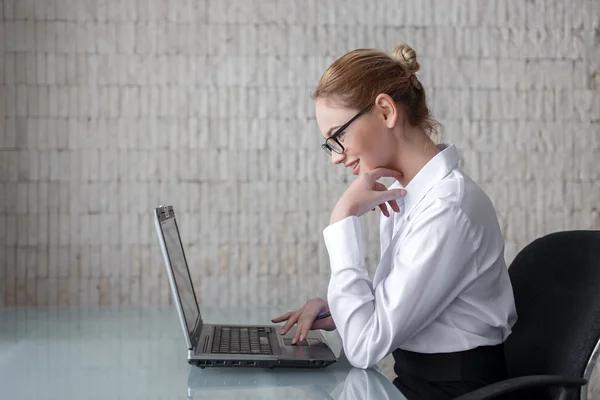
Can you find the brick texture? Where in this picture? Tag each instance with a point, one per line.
(109, 108)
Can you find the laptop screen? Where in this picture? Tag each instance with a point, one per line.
(183, 281)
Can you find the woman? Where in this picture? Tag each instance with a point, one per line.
(441, 301)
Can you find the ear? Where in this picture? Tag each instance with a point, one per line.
(390, 112)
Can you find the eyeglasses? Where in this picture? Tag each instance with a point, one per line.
(332, 143)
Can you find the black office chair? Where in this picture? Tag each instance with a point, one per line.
(556, 340)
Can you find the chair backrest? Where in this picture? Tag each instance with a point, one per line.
(556, 282)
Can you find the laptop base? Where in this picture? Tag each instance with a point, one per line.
(313, 352)
(270, 364)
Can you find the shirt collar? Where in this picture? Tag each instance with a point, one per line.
(435, 170)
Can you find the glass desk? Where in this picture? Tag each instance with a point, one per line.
(75, 353)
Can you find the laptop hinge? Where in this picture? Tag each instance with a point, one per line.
(196, 332)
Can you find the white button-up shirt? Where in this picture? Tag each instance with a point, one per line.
(441, 285)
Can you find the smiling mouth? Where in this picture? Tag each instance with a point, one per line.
(354, 166)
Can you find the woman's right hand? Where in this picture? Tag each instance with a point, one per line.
(305, 317)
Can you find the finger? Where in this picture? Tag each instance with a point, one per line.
(394, 205)
(389, 195)
(304, 330)
(307, 324)
(379, 173)
(384, 210)
(291, 321)
(296, 334)
(303, 327)
(322, 323)
(380, 187)
(282, 317)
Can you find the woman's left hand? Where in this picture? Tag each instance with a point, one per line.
(365, 193)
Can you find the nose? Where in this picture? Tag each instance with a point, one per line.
(337, 158)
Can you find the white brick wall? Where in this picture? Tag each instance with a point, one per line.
(108, 108)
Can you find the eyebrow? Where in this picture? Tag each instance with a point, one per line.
(330, 131)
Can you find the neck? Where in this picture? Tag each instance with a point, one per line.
(414, 151)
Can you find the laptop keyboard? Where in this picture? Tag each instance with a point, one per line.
(241, 340)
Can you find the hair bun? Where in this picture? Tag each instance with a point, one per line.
(406, 57)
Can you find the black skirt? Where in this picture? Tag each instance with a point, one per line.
(448, 375)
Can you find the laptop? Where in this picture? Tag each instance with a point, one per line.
(229, 345)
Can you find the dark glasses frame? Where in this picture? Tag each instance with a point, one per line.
(334, 137)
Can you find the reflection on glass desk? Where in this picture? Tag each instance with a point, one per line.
(140, 354)
(335, 382)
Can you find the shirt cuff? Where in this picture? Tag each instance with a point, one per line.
(343, 240)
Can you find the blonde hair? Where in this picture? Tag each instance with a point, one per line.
(355, 79)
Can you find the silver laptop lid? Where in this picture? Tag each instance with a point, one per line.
(182, 287)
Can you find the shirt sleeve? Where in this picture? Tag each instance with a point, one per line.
(434, 263)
